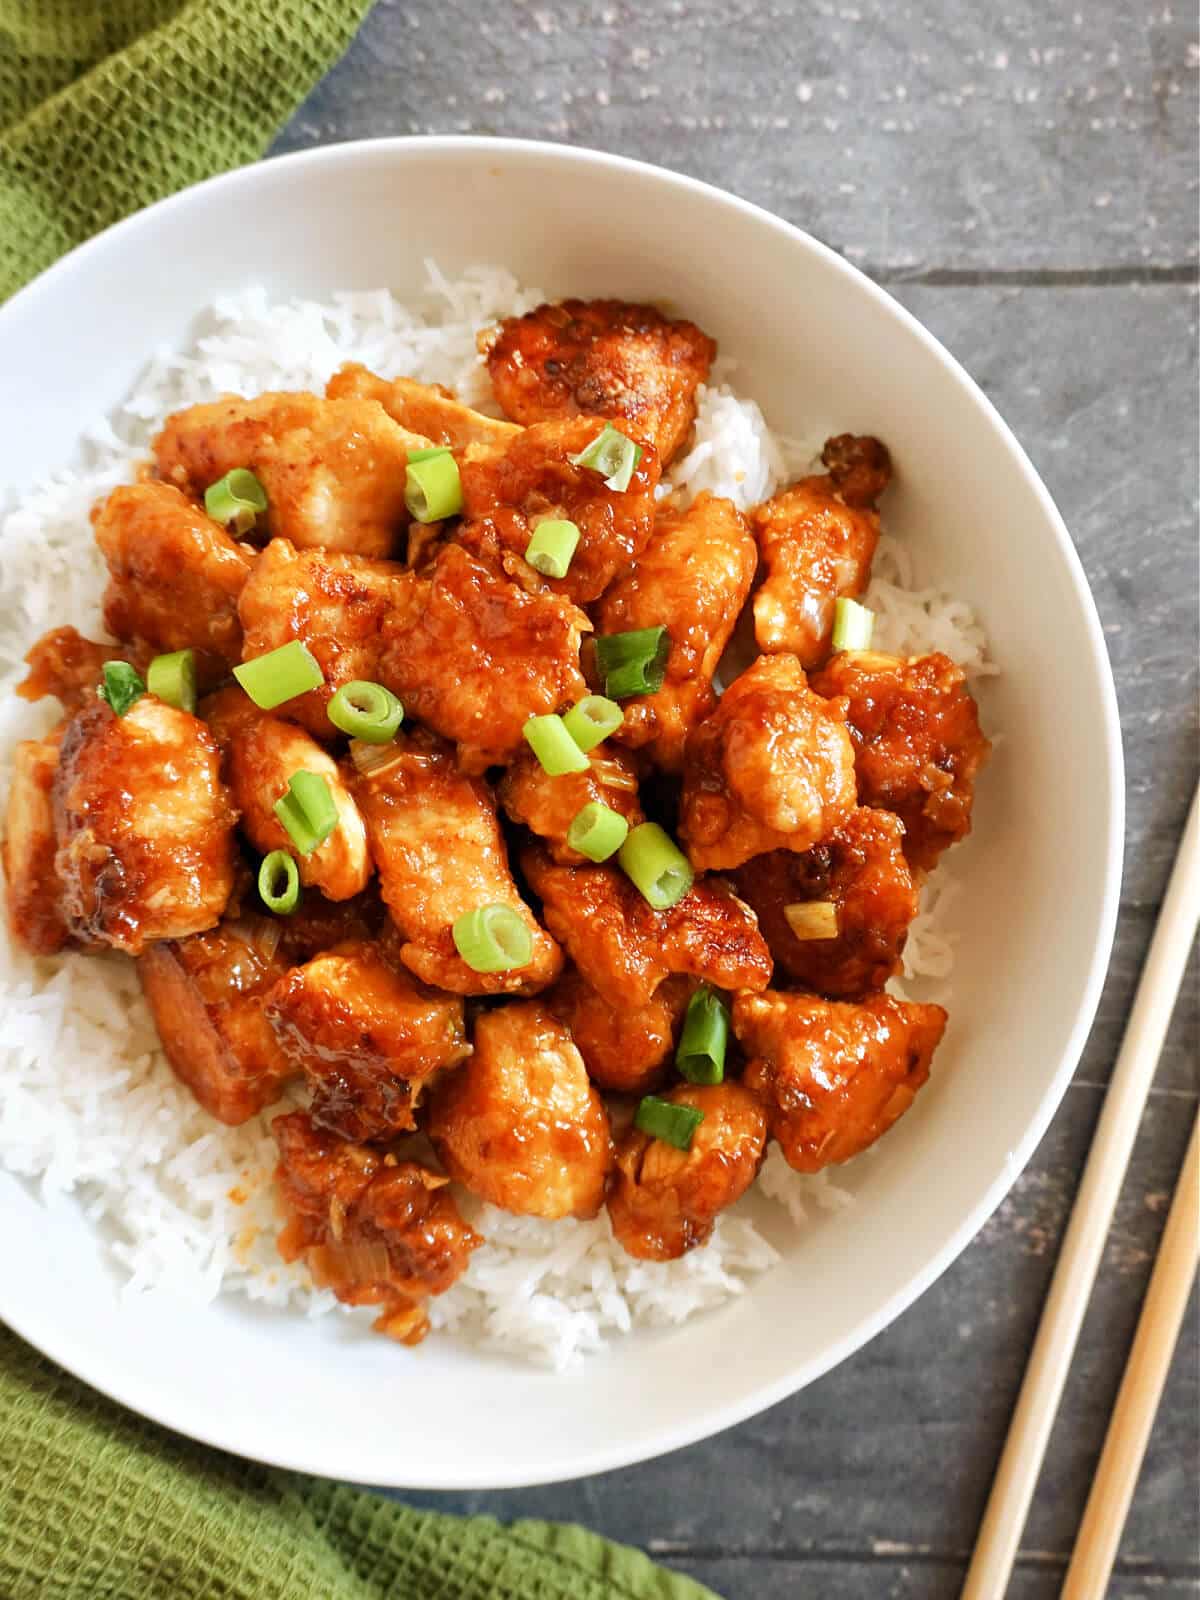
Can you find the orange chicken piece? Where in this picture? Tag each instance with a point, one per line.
(32, 886)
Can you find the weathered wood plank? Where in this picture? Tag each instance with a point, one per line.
(900, 1578)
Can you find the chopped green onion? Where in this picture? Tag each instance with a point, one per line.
(280, 675)
(121, 686)
(366, 711)
(853, 625)
(552, 546)
(592, 719)
(428, 455)
(663, 1119)
(307, 811)
(657, 865)
(701, 1053)
(173, 679)
(433, 488)
(813, 919)
(236, 500)
(634, 662)
(597, 831)
(279, 883)
(493, 938)
(612, 455)
(554, 747)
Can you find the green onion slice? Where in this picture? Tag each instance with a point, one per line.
(366, 711)
(433, 488)
(612, 455)
(597, 831)
(853, 625)
(173, 679)
(812, 919)
(236, 501)
(552, 546)
(701, 1053)
(493, 938)
(279, 883)
(554, 747)
(592, 719)
(657, 865)
(663, 1119)
(634, 662)
(122, 686)
(307, 811)
(280, 675)
(428, 455)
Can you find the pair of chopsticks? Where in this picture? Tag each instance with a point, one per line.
(1083, 1244)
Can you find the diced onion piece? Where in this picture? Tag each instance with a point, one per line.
(663, 1119)
(612, 455)
(592, 719)
(552, 546)
(812, 919)
(369, 758)
(280, 675)
(366, 711)
(554, 747)
(597, 831)
(122, 686)
(279, 883)
(634, 662)
(701, 1053)
(433, 488)
(493, 938)
(236, 501)
(307, 811)
(261, 934)
(614, 776)
(853, 625)
(173, 679)
(657, 865)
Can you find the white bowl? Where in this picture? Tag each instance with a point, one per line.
(818, 344)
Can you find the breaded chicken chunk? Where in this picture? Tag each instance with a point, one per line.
(601, 358)
(421, 408)
(438, 848)
(333, 470)
(772, 768)
(625, 949)
(817, 541)
(33, 890)
(625, 1049)
(520, 1125)
(693, 579)
(368, 1036)
(663, 1201)
(548, 806)
(859, 871)
(144, 824)
(833, 1075)
(375, 1230)
(917, 742)
(65, 664)
(174, 574)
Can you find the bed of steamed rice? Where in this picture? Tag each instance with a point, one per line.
(88, 1104)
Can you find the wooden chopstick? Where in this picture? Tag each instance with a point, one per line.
(1083, 1243)
(1141, 1388)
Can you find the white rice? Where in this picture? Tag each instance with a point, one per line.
(88, 1104)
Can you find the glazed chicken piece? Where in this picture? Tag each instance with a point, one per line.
(693, 577)
(333, 470)
(475, 657)
(860, 870)
(917, 743)
(833, 1075)
(437, 844)
(626, 1050)
(375, 1230)
(625, 949)
(262, 752)
(65, 664)
(548, 806)
(509, 488)
(772, 768)
(663, 1201)
(175, 574)
(601, 358)
(368, 1036)
(520, 1125)
(421, 408)
(144, 824)
(32, 887)
(336, 605)
(817, 541)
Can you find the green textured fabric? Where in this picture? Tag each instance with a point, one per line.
(106, 105)
(96, 1504)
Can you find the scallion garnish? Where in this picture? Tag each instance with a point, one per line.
(552, 546)
(657, 865)
(428, 454)
(366, 711)
(701, 1053)
(307, 811)
(554, 747)
(592, 719)
(634, 662)
(279, 883)
(433, 488)
(173, 679)
(597, 831)
(493, 938)
(663, 1119)
(853, 625)
(612, 455)
(280, 675)
(122, 686)
(236, 501)
(812, 919)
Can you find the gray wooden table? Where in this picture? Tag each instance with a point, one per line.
(1023, 177)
